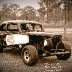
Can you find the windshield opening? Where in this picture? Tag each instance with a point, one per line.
(31, 27)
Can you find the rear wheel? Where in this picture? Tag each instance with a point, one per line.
(1, 48)
(30, 55)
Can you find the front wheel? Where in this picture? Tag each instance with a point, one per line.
(30, 55)
(65, 56)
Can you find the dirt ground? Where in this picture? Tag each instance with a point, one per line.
(11, 61)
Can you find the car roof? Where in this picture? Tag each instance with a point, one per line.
(20, 21)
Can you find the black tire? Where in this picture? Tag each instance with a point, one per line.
(30, 55)
(1, 48)
(65, 56)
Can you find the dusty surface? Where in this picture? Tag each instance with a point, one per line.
(12, 62)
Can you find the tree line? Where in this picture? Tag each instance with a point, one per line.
(14, 12)
(50, 11)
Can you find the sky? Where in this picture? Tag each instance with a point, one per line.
(22, 3)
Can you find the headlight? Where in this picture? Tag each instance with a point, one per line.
(45, 42)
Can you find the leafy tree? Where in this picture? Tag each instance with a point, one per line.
(63, 7)
(67, 5)
(47, 5)
(42, 13)
(14, 10)
(5, 12)
(28, 13)
(0, 15)
(8, 12)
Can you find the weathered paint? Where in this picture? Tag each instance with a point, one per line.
(17, 39)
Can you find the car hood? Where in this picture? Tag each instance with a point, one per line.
(40, 33)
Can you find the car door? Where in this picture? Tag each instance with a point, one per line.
(12, 30)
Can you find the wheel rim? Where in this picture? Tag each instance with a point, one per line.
(27, 56)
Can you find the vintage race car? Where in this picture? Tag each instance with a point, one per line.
(29, 37)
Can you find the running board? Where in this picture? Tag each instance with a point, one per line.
(60, 53)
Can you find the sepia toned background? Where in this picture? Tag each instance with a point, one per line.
(55, 16)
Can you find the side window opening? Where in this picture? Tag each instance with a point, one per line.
(26, 27)
(30, 26)
(23, 27)
(38, 28)
(12, 27)
(3, 27)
